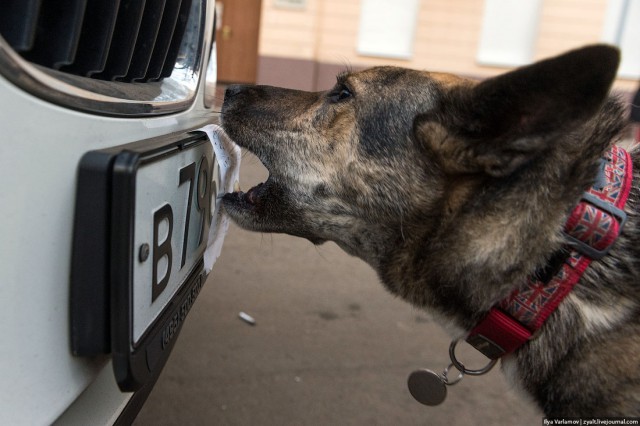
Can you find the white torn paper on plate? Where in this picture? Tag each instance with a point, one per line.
(228, 161)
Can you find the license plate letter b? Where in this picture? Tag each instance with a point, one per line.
(161, 249)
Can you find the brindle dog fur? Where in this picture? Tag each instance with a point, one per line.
(456, 191)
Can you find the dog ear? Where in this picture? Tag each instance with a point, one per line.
(502, 122)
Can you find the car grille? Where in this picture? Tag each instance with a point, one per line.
(100, 55)
(127, 40)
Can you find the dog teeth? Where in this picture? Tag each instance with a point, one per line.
(236, 186)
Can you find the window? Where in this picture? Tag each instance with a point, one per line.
(622, 28)
(509, 32)
(387, 29)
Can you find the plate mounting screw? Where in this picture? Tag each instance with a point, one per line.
(143, 255)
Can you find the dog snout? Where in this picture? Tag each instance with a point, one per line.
(234, 90)
(233, 96)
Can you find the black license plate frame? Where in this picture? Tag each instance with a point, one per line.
(107, 256)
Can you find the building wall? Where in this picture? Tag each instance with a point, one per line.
(567, 24)
(304, 48)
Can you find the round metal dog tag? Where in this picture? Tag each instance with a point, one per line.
(427, 387)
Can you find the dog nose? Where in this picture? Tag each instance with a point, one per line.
(234, 90)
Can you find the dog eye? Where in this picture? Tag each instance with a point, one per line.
(339, 94)
(344, 93)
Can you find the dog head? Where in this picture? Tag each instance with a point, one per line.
(391, 152)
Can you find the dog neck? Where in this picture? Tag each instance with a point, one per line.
(593, 227)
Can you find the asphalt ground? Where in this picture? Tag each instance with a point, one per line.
(329, 346)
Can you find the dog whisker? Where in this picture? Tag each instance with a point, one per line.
(317, 248)
(262, 237)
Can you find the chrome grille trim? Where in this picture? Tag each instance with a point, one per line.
(171, 94)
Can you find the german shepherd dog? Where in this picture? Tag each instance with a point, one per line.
(457, 191)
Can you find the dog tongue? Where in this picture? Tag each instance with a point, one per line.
(252, 195)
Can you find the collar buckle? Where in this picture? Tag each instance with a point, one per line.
(607, 208)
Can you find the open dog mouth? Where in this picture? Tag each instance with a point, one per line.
(259, 208)
(262, 208)
(250, 200)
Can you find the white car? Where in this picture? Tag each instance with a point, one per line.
(106, 199)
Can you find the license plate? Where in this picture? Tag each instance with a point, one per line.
(143, 213)
(172, 215)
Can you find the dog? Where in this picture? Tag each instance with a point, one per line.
(457, 192)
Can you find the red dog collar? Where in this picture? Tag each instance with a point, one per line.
(594, 225)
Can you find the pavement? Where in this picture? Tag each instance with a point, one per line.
(329, 346)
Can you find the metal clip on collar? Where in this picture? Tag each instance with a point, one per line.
(460, 366)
